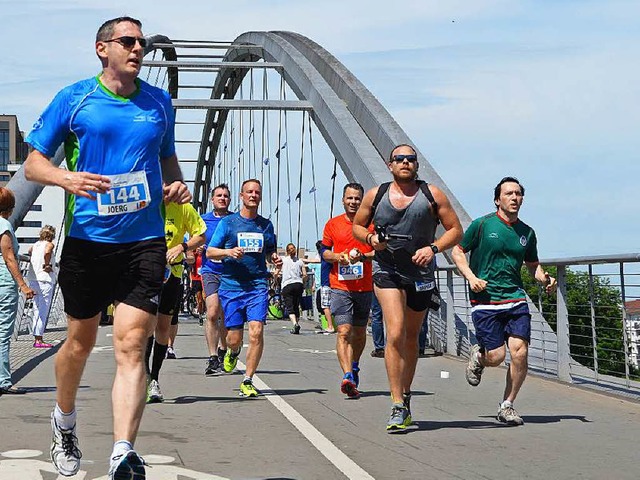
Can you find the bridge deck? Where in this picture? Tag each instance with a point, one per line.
(204, 426)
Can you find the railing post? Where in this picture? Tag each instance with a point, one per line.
(562, 327)
(625, 341)
(450, 316)
(594, 338)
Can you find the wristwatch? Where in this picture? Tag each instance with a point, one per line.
(434, 248)
(184, 247)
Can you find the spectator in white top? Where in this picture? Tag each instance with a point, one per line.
(294, 274)
(42, 280)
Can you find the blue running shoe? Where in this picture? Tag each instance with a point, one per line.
(348, 386)
(355, 372)
(128, 466)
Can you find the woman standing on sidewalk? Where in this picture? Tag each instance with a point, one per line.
(42, 279)
(10, 280)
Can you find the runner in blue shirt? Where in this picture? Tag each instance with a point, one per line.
(214, 330)
(118, 136)
(244, 241)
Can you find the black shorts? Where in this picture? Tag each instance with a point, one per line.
(95, 274)
(291, 296)
(416, 301)
(170, 296)
(196, 285)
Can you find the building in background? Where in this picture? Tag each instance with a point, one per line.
(48, 208)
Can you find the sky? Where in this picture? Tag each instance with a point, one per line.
(546, 91)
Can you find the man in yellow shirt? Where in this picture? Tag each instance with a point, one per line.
(179, 221)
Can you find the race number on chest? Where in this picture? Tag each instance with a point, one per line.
(251, 242)
(129, 192)
(351, 272)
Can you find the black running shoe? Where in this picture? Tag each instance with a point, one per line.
(213, 366)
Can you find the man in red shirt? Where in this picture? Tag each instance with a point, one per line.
(351, 286)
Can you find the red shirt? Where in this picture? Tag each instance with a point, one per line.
(338, 234)
(195, 268)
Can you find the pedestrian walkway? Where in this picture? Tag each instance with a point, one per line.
(304, 428)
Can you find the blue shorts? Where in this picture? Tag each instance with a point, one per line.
(494, 327)
(240, 306)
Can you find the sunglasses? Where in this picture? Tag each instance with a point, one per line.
(401, 158)
(129, 42)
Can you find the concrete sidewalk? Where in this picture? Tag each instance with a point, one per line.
(204, 430)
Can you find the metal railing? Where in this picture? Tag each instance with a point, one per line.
(24, 316)
(582, 334)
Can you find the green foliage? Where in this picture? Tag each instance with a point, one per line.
(608, 319)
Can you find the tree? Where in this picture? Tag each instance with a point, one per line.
(608, 319)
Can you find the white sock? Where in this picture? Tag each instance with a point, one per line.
(506, 404)
(247, 378)
(121, 447)
(66, 421)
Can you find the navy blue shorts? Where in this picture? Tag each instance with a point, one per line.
(494, 327)
(240, 307)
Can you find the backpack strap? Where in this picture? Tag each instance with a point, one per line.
(382, 189)
(424, 186)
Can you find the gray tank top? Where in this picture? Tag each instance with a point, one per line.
(415, 220)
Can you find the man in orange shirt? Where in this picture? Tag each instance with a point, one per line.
(351, 286)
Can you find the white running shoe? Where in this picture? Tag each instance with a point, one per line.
(65, 453)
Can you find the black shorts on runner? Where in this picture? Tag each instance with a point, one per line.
(416, 301)
(196, 285)
(170, 296)
(95, 274)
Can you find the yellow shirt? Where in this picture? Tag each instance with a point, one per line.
(178, 221)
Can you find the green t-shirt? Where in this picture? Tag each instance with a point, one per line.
(498, 249)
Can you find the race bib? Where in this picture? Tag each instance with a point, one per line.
(251, 242)
(425, 286)
(129, 192)
(351, 272)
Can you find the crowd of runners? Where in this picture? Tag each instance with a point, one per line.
(128, 212)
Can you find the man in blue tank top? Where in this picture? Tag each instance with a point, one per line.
(118, 136)
(403, 266)
(214, 330)
(244, 241)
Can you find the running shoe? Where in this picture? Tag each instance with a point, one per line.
(356, 376)
(213, 366)
(377, 353)
(296, 329)
(42, 345)
(349, 387)
(230, 360)
(154, 394)
(247, 389)
(399, 419)
(128, 466)
(65, 453)
(508, 415)
(474, 367)
(171, 353)
(406, 401)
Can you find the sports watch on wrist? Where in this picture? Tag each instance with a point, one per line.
(434, 248)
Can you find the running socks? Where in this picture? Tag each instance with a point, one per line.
(121, 447)
(221, 354)
(66, 421)
(159, 354)
(247, 379)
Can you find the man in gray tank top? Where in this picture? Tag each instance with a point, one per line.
(405, 217)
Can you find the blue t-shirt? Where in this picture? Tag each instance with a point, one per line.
(325, 267)
(210, 266)
(123, 138)
(258, 240)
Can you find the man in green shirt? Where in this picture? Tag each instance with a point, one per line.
(499, 243)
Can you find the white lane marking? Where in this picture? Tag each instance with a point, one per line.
(21, 453)
(310, 350)
(332, 453)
